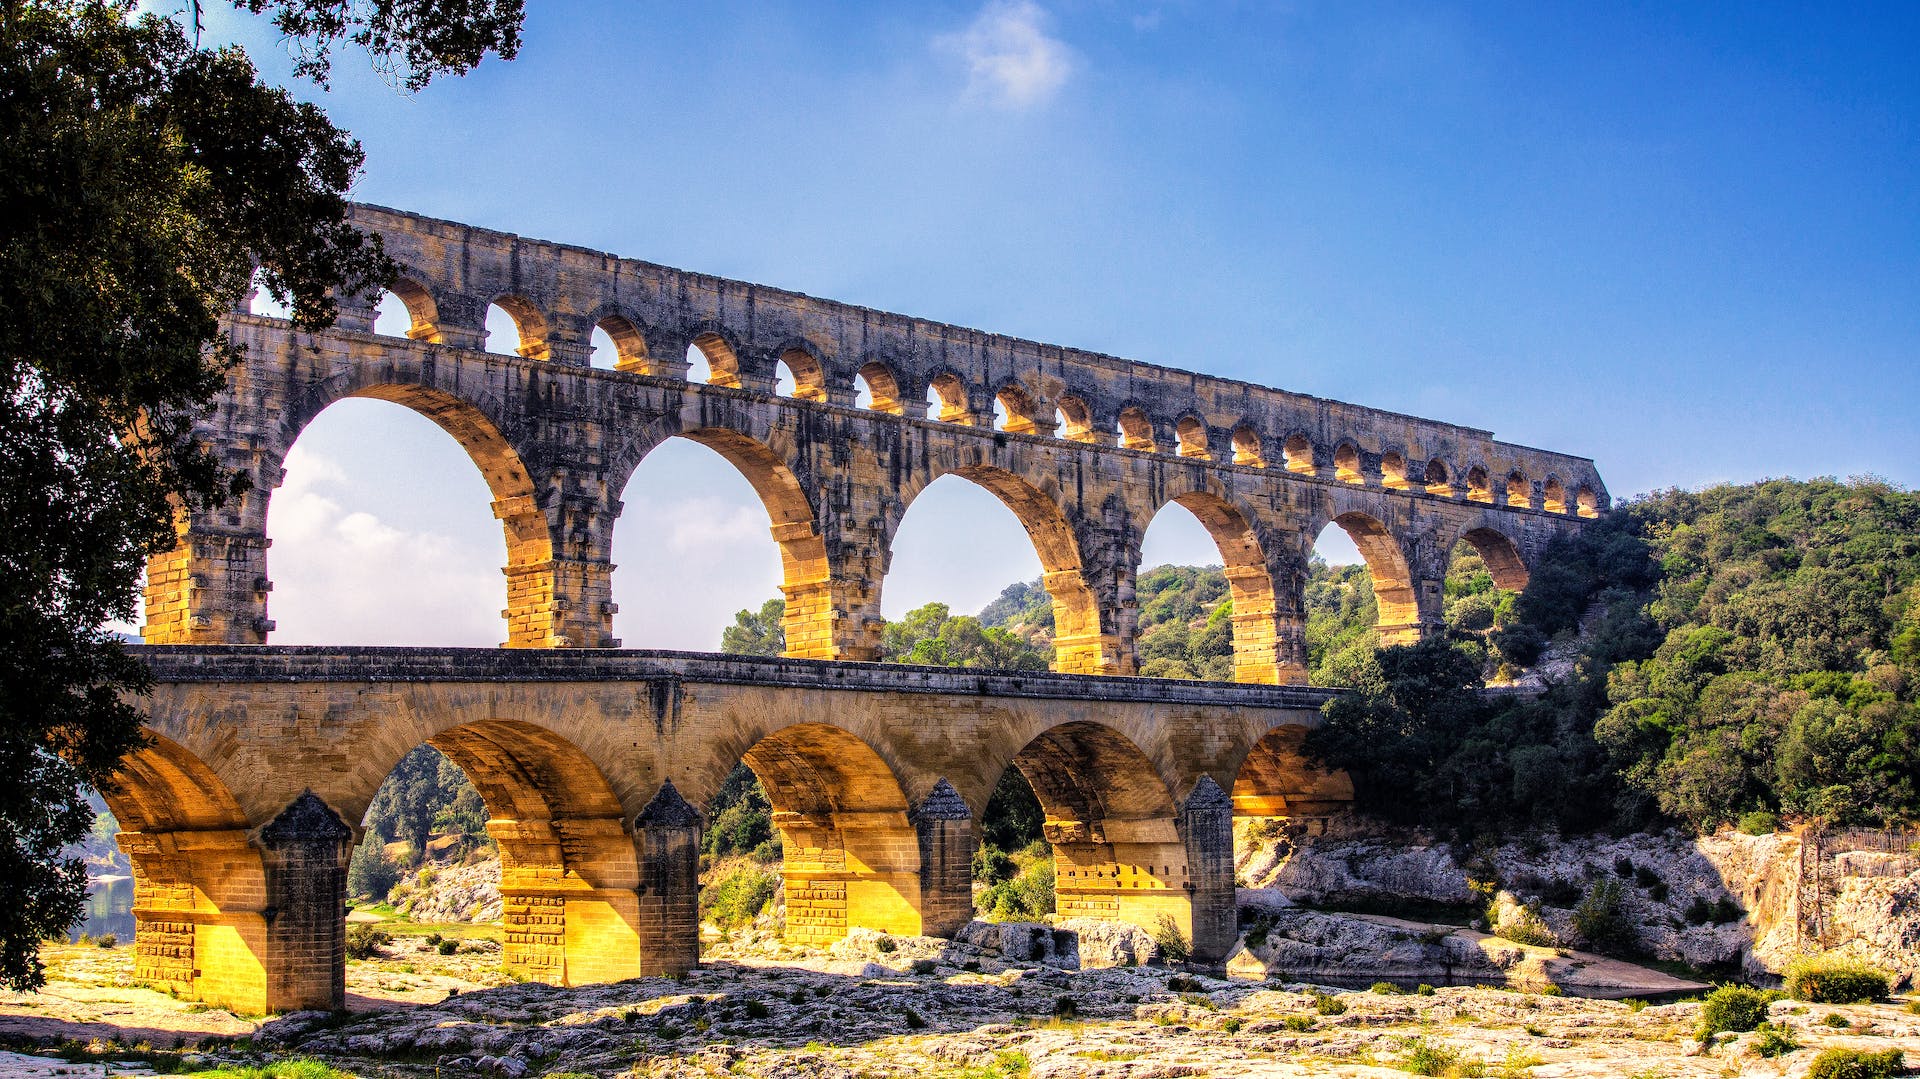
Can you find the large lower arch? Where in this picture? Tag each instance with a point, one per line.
(568, 869)
(1123, 850)
(1394, 588)
(1081, 645)
(200, 886)
(806, 578)
(851, 855)
(1278, 779)
(1267, 644)
(1501, 555)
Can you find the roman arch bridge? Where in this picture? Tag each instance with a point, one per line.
(594, 761)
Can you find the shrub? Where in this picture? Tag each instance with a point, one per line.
(1699, 912)
(1834, 980)
(755, 1010)
(1602, 918)
(447, 946)
(106, 940)
(885, 945)
(1328, 1004)
(1835, 1019)
(739, 896)
(1424, 990)
(364, 940)
(1298, 1023)
(1732, 1008)
(1385, 989)
(1854, 1064)
(1759, 822)
(1727, 909)
(1623, 867)
(1774, 1041)
(1425, 1058)
(913, 1019)
(1525, 928)
(1171, 941)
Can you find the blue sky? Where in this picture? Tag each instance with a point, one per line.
(1682, 240)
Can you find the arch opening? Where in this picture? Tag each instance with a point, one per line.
(1393, 471)
(1111, 824)
(1074, 420)
(947, 399)
(1586, 503)
(1299, 454)
(1015, 411)
(1479, 488)
(1136, 431)
(801, 377)
(684, 507)
(515, 327)
(366, 554)
(1280, 797)
(1387, 571)
(1346, 464)
(878, 389)
(199, 886)
(1556, 496)
(711, 360)
(1231, 631)
(566, 904)
(1193, 438)
(828, 809)
(1436, 479)
(1519, 491)
(1247, 447)
(618, 345)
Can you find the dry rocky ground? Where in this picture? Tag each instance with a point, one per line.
(912, 1007)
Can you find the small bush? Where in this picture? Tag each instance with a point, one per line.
(1854, 1064)
(913, 1019)
(1171, 941)
(1835, 1019)
(1602, 919)
(106, 940)
(1759, 822)
(364, 940)
(1774, 1041)
(1328, 1004)
(885, 945)
(1297, 1023)
(1645, 877)
(447, 946)
(1732, 1008)
(1623, 867)
(1699, 912)
(1833, 980)
(755, 1010)
(1425, 1058)
(1385, 989)
(1423, 990)
(1525, 928)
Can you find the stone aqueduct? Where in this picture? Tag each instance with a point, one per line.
(594, 761)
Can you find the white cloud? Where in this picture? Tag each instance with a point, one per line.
(1012, 61)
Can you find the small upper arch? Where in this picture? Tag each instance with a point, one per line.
(1248, 447)
(1555, 492)
(531, 323)
(1193, 436)
(882, 386)
(1436, 479)
(1136, 430)
(949, 391)
(629, 342)
(722, 354)
(804, 365)
(1347, 464)
(1519, 490)
(1299, 453)
(1479, 488)
(1021, 409)
(1393, 470)
(1075, 419)
(1586, 503)
(423, 312)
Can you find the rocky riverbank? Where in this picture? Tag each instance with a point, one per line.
(917, 1008)
(1727, 903)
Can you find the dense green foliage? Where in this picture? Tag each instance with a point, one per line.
(933, 636)
(1732, 1008)
(142, 180)
(1835, 980)
(1728, 654)
(425, 796)
(1857, 1064)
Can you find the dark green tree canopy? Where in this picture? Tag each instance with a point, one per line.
(142, 180)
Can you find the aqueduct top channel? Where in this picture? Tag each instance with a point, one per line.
(594, 761)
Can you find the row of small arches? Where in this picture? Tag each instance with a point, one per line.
(616, 343)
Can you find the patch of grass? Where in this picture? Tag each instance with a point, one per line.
(1854, 1064)
(279, 1069)
(1835, 1019)
(1427, 1058)
(1423, 990)
(1518, 1063)
(1774, 1041)
(1108, 1055)
(755, 1009)
(738, 895)
(1835, 980)
(1386, 989)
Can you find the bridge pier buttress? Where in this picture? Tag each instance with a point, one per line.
(305, 851)
(944, 828)
(666, 839)
(1206, 831)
